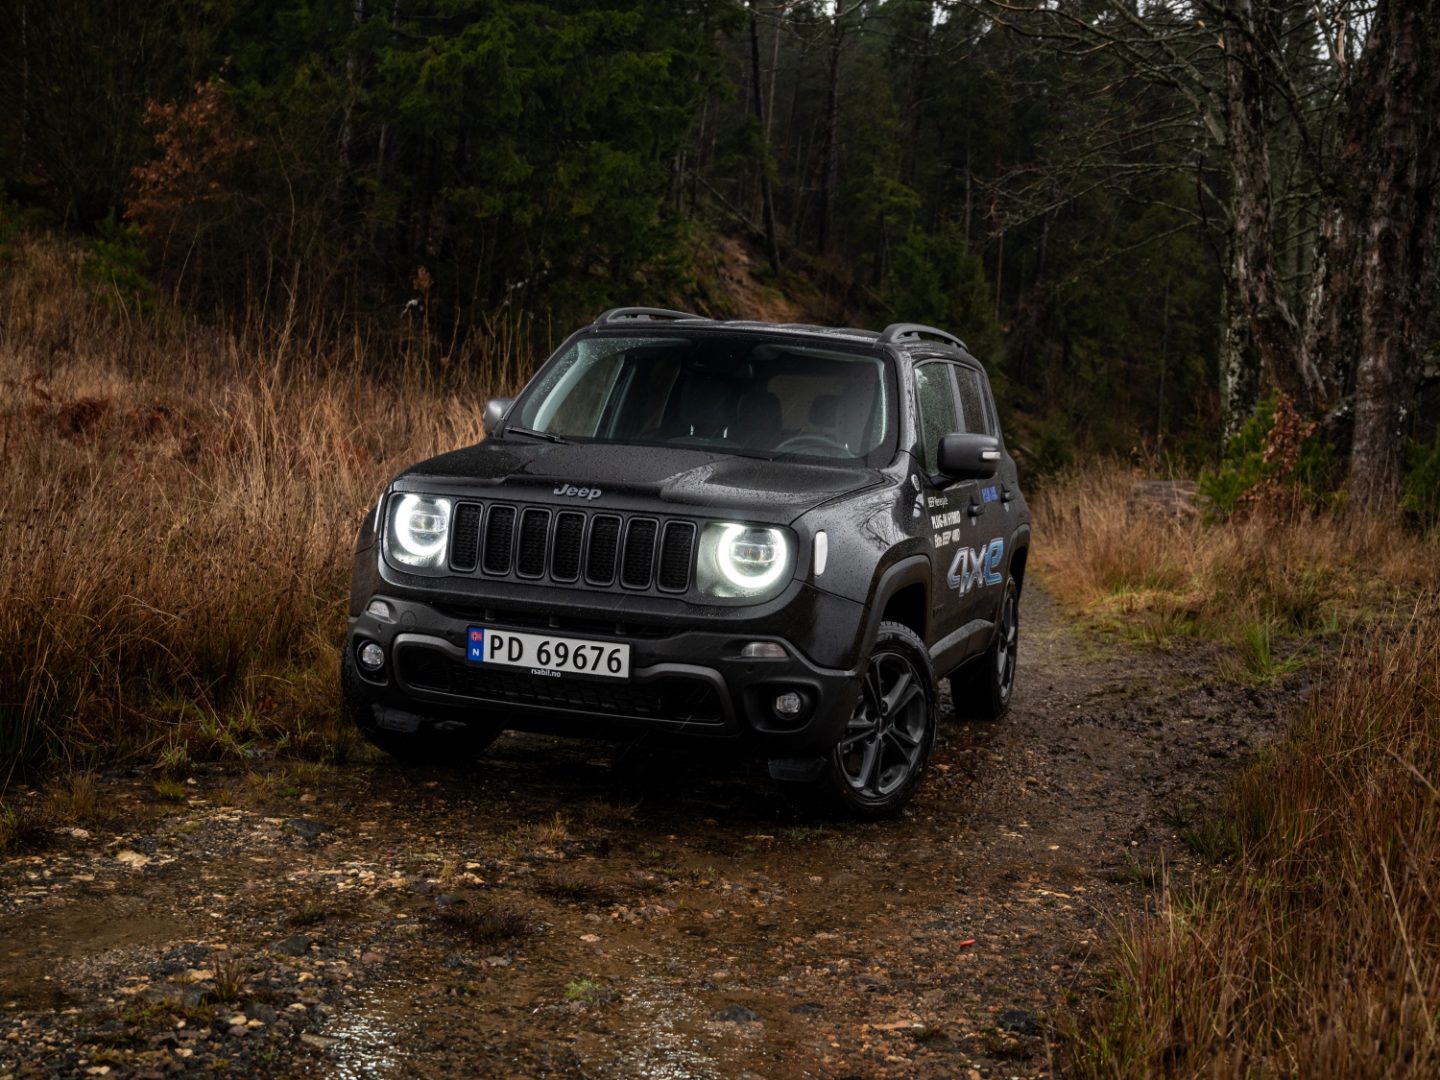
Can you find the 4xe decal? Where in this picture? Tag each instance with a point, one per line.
(989, 494)
(977, 566)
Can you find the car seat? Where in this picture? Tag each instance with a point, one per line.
(757, 420)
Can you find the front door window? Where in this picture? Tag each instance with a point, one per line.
(935, 390)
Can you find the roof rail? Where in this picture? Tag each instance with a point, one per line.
(621, 314)
(896, 331)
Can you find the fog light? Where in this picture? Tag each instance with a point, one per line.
(788, 704)
(763, 650)
(372, 657)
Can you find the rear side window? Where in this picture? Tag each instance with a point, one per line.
(935, 391)
(975, 418)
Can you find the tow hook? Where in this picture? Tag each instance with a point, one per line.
(800, 770)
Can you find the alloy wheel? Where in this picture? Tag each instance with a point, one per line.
(1007, 645)
(884, 742)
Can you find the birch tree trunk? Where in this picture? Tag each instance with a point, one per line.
(1396, 120)
(1239, 367)
(1273, 326)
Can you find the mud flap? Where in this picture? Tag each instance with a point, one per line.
(799, 770)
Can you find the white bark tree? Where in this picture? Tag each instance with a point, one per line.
(1331, 259)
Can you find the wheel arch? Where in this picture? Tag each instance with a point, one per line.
(901, 595)
(1019, 557)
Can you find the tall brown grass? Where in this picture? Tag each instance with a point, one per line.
(1284, 570)
(1316, 951)
(1311, 945)
(178, 506)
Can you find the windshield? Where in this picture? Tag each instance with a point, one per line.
(738, 393)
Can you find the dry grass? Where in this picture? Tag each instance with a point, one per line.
(177, 512)
(1312, 948)
(1246, 581)
(1316, 952)
(487, 924)
(561, 885)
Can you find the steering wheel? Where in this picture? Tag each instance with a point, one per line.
(811, 441)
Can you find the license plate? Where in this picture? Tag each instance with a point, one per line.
(547, 656)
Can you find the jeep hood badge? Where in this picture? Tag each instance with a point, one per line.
(587, 493)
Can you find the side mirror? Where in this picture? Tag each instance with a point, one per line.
(969, 457)
(495, 410)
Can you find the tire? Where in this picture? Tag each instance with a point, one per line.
(431, 743)
(873, 771)
(983, 688)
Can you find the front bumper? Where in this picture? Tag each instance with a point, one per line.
(685, 682)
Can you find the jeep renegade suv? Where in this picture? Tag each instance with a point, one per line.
(773, 535)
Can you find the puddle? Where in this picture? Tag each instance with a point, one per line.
(667, 1046)
(364, 1040)
(669, 1035)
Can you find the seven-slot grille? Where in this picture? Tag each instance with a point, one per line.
(568, 546)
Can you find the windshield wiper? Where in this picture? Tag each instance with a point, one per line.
(512, 429)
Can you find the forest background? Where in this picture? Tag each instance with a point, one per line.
(1145, 217)
(257, 257)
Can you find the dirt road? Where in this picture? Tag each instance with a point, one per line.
(552, 912)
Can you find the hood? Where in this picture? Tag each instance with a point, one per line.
(690, 480)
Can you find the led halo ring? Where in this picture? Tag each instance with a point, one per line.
(421, 552)
(725, 559)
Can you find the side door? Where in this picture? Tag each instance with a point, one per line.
(983, 574)
(952, 508)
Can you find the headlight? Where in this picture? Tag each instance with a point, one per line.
(419, 531)
(743, 560)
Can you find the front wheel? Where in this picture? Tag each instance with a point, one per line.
(874, 769)
(982, 690)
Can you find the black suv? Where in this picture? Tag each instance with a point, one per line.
(773, 535)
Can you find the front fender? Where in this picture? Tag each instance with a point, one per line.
(905, 572)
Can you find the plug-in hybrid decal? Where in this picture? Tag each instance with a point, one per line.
(977, 566)
(945, 526)
(945, 520)
(989, 494)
